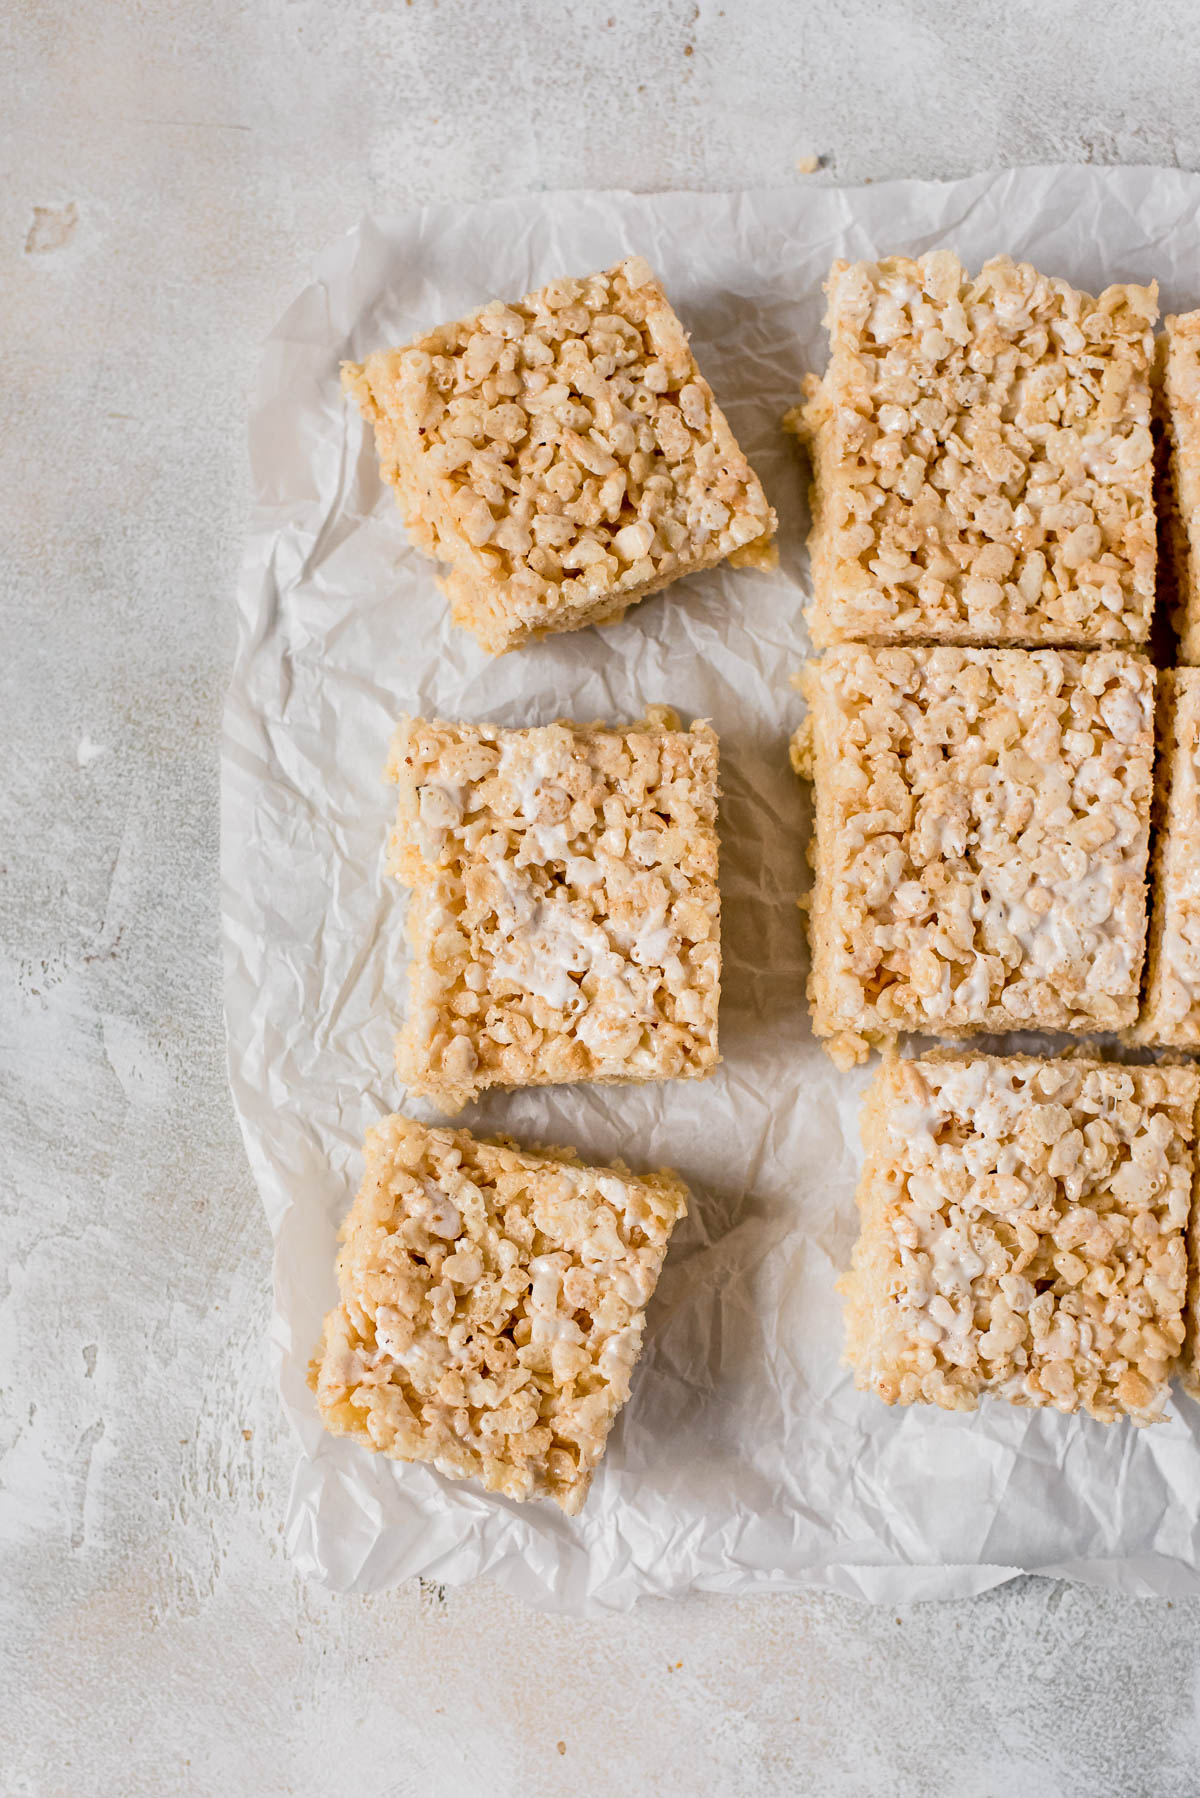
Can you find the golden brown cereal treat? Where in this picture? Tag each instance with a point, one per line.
(981, 840)
(982, 458)
(1023, 1232)
(492, 1307)
(564, 455)
(565, 915)
(1171, 1004)
(1181, 409)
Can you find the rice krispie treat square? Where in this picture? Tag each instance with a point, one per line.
(1181, 416)
(564, 455)
(492, 1307)
(982, 824)
(565, 915)
(982, 458)
(1171, 1002)
(1023, 1232)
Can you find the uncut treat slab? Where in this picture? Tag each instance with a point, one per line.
(492, 1307)
(981, 840)
(563, 454)
(1023, 1232)
(1181, 412)
(565, 915)
(982, 458)
(1171, 1004)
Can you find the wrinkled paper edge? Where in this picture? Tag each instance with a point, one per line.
(559, 1588)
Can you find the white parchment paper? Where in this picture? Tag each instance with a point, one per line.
(745, 1461)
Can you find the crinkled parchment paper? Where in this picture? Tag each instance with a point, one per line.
(745, 1461)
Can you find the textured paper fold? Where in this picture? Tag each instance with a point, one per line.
(745, 1461)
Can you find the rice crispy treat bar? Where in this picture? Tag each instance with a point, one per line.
(981, 840)
(982, 458)
(565, 915)
(1023, 1232)
(1171, 1003)
(1181, 408)
(492, 1307)
(564, 455)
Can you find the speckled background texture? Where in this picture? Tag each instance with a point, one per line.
(169, 171)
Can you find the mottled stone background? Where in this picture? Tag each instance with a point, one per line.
(169, 168)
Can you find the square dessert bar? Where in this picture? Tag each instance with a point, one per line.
(1023, 1232)
(565, 915)
(982, 458)
(564, 455)
(981, 840)
(1171, 1003)
(1181, 413)
(492, 1307)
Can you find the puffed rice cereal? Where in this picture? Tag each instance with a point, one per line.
(565, 916)
(982, 826)
(1181, 414)
(564, 455)
(492, 1308)
(1171, 1004)
(982, 458)
(1024, 1233)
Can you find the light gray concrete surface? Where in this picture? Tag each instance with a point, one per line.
(168, 171)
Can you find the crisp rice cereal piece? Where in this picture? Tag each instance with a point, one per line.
(981, 840)
(1024, 1233)
(1171, 1004)
(492, 1307)
(564, 455)
(982, 458)
(565, 915)
(1181, 411)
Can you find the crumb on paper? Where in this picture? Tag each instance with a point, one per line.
(807, 165)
